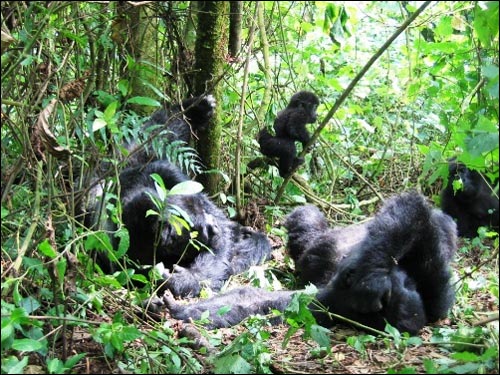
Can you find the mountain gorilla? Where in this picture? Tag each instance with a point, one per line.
(210, 249)
(180, 122)
(290, 126)
(394, 268)
(474, 204)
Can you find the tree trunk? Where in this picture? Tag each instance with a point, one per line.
(132, 30)
(236, 12)
(210, 51)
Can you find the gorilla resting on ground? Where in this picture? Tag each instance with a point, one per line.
(474, 204)
(177, 123)
(290, 126)
(393, 268)
(221, 248)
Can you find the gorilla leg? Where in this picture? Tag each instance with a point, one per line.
(303, 224)
(409, 234)
(431, 269)
(243, 302)
(282, 148)
(315, 248)
(404, 309)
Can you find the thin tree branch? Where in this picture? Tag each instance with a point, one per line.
(239, 136)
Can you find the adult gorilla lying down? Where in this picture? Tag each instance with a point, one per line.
(211, 250)
(394, 268)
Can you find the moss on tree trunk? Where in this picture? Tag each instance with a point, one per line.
(210, 52)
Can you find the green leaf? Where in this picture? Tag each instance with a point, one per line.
(55, 366)
(232, 364)
(178, 223)
(444, 27)
(7, 329)
(124, 242)
(12, 365)
(110, 111)
(482, 143)
(142, 100)
(98, 123)
(131, 333)
(61, 269)
(98, 241)
(29, 304)
(46, 249)
(486, 22)
(465, 356)
(159, 186)
(186, 188)
(27, 345)
(321, 335)
(123, 86)
(223, 310)
(117, 341)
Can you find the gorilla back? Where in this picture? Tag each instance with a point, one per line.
(208, 250)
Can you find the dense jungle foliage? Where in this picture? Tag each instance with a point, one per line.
(79, 79)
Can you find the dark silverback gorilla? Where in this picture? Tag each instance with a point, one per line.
(474, 204)
(180, 122)
(290, 126)
(394, 268)
(221, 248)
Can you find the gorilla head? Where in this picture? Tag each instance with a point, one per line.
(469, 199)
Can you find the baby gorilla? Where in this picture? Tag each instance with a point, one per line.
(394, 268)
(290, 126)
(213, 249)
(474, 204)
(180, 122)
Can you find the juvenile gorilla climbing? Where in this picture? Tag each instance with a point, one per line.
(178, 123)
(290, 126)
(474, 204)
(394, 268)
(221, 247)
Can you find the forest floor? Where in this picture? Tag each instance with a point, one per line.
(376, 355)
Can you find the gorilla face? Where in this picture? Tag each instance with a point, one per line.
(469, 180)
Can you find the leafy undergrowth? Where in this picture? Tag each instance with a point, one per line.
(106, 332)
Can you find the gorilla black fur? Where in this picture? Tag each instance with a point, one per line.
(474, 204)
(290, 126)
(180, 122)
(394, 268)
(232, 248)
